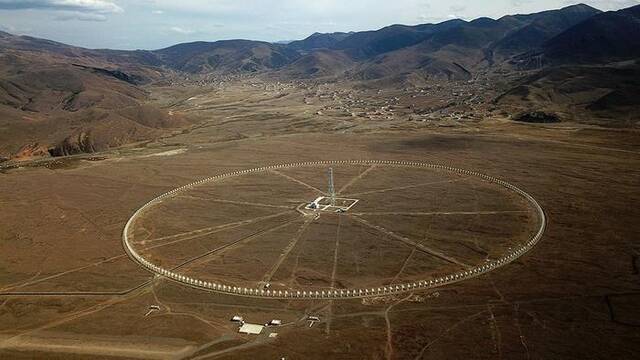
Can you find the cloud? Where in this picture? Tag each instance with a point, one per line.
(82, 6)
(80, 16)
(182, 31)
(157, 12)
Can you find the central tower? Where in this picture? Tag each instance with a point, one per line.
(330, 202)
(332, 190)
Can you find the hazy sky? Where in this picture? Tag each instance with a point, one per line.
(153, 24)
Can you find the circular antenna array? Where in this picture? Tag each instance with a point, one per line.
(359, 212)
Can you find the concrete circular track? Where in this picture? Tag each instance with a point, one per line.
(338, 293)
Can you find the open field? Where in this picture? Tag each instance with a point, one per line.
(68, 289)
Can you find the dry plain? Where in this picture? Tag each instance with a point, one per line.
(69, 291)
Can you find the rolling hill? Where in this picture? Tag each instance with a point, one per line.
(458, 50)
(609, 92)
(592, 67)
(538, 29)
(606, 37)
(367, 44)
(319, 63)
(60, 99)
(226, 56)
(57, 99)
(318, 41)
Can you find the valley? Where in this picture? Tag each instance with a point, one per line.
(57, 99)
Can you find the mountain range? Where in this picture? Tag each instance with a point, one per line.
(60, 99)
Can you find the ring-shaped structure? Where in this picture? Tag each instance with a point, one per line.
(338, 293)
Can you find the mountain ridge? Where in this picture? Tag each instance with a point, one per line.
(61, 85)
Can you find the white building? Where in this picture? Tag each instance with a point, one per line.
(251, 329)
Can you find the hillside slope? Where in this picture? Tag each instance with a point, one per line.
(606, 37)
(461, 49)
(226, 56)
(540, 28)
(318, 41)
(57, 99)
(592, 68)
(609, 92)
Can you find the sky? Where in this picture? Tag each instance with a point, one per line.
(155, 24)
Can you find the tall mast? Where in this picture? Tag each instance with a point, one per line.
(332, 191)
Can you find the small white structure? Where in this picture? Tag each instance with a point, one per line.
(331, 203)
(324, 203)
(251, 329)
(315, 204)
(237, 318)
(312, 320)
(152, 308)
(275, 322)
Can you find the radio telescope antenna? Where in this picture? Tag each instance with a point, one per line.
(332, 190)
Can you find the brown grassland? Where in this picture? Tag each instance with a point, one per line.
(69, 291)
